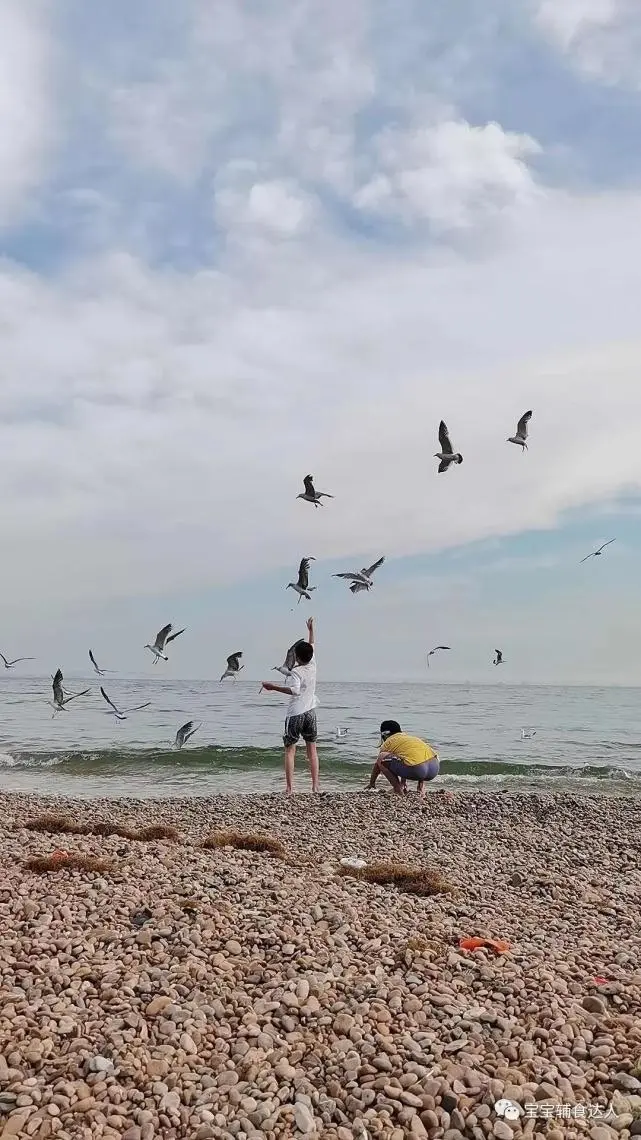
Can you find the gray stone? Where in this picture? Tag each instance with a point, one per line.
(625, 1082)
(593, 1004)
(99, 1064)
(304, 1120)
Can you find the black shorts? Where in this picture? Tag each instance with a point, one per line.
(302, 725)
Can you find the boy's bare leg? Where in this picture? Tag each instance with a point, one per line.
(421, 789)
(312, 760)
(290, 756)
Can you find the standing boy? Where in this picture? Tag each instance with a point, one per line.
(301, 711)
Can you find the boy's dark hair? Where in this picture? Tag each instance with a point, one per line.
(389, 728)
(304, 652)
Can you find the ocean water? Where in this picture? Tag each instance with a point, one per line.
(586, 738)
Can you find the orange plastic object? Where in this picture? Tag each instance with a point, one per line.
(496, 944)
(599, 981)
(60, 856)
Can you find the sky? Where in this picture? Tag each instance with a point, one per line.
(245, 241)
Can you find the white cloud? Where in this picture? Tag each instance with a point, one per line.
(155, 426)
(249, 207)
(156, 423)
(26, 124)
(452, 174)
(602, 37)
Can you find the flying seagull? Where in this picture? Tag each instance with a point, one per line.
(184, 732)
(97, 669)
(597, 553)
(520, 436)
(447, 455)
(498, 660)
(311, 495)
(10, 664)
(435, 650)
(233, 665)
(527, 735)
(121, 714)
(163, 639)
(290, 659)
(60, 700)
(361, 579)
(302, 586)
(341, 733)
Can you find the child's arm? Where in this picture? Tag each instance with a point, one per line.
(271, 688)
(310, 630)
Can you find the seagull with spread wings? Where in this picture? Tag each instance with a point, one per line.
(361, 579)
(597, 553)
(96, 667)
(184, 732)
(162, 639)
(310, 494)
(435, 650)
(290, 660)
(121, 714)
(498, 660)
(233, 665)
(60, 698)
(520, 435)
(10, 664)
(302, 586)
(447, 454)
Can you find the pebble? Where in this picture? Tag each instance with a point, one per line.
(594, 1004)
(502, 1131)
(295, 1001)
(625, 1082)
(303, 1118)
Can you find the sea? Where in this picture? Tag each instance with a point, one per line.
(578, 738)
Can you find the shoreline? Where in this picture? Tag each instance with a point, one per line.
(277, 998)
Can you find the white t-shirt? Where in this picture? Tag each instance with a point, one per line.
(302, 682)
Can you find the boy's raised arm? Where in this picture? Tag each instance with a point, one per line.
(310, 630)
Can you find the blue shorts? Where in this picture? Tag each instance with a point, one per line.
(426, 771)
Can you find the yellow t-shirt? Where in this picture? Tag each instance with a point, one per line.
(410, 749)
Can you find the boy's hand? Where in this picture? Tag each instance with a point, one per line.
(310, 624)
(268, 686)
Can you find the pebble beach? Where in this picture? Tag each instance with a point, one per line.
(183, 992)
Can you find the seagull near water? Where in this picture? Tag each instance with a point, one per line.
(498, 660)
(10, 664)
(310, 494)
(121, 714)
(184, 732)
(435, 650)
(302, 586)
(60, 699)
(520, 435)
(447, 455)
(597, 553)
(96, 667)
(341, 734)
(527, 735)
(361, 579)
(162, 639)
(233, 665)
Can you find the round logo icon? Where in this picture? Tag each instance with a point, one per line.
(508, 1109)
